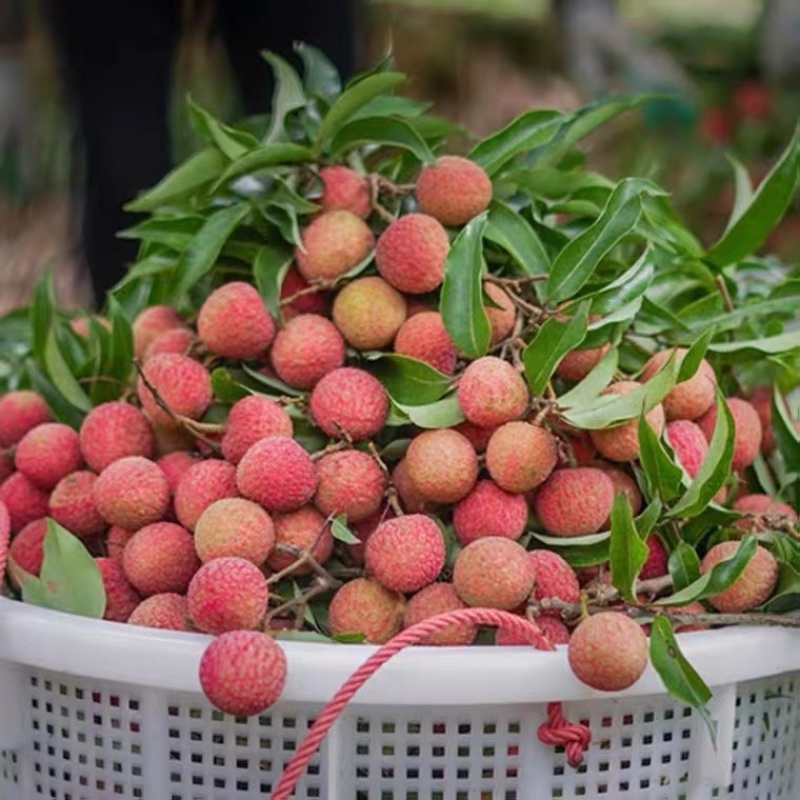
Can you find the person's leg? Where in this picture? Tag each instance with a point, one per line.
(117, 58)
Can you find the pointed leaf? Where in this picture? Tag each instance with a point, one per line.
(408, 381)
(443, 413)
(288, 94)
(695, 354)
(61, 375)
(341, 532)
(515, 235)
(268, 155)
(683, 565)
(743, 190)
(787, 435)
(270, 266)
(594, 383)
(230, 142)
(627, 551)
(320, 76)
(383, 131)
(664, 476)
(769, 345)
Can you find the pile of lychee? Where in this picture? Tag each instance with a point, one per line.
(237, 529)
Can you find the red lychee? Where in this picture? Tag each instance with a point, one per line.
(48, 453)
(201, 485)
(350, 483)
(250, 419)
(132, 492)
(345, 190)
(333, 243)
(365, 606)
(453, 189)
(112, 431)
(425, 338)
(160, 558)
(308, 348)
(492, 392)
(182, 383)
(21, 411)
(520, 456)
(439, 598)
(489, 511)
(574, 502)
(442, 465)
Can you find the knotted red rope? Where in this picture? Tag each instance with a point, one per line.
(556, 730)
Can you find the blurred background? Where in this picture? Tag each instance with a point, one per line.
(734, 66)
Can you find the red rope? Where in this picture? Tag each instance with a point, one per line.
(574, 737)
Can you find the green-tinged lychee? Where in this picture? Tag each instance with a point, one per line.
(520, 456)
(492, 392)
(237, 527)
(411, 252)
(201, 485)
(308, 348)
(368, 312)
(425, 338)
(574, 502)
(21, 411)
(297, 531)
(365, 607)
(182, 384)
(343, 189)
(112, 431)
(72, 504)
(168, 611)
(747, 430)
(753, 586)
(453, 189)
(351, 483)
(132, 492)
(488, 510)
(250, 419)
(332, 244)
(160, 558)
(48, 453)
(435, 599)
(687, 399)
(442, 465)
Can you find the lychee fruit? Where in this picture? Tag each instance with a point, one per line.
(116, 539)
(411, 498)
(621, 442)
(121, 597)
(250, 419)
(151, 323)
(160, 558)
(297, 296)
(236, 527)
(492, 392)
(132, 492)
(747, 430)
(350, 483)
(623, 484)
(20, 412)
(453, 189)
(442, 465)
(234, 322)
(343, 189)
(578, 363)
(243, 672)
(72, 504)
(175, 465)
(167, 611)
(277, 473)
(425, 338)
(554, 630)
(112, 431)
(308, 348)
(368, 312)
(435, 599)
(363, 530)
(477, 435)
(762, 511)
(520, 456)
(761, 400)
(751, 588)
(26, 549)
(493, 572)
(406, 553)
(411, 252)
(303, 529)
(182, 383)
(177, 340)
(201, 485)
(5, 538)
(608, 651)
(687, 399)
(227, 594)
(48, 453)
(24, 500)
(688, 443)
(488, 510)
(6, 465)
(350, 402)
(365, 606)
(502, 313)
(574, 502)
(332, 244)
(657, 559)
(555, 579)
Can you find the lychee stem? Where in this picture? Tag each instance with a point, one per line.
(319, 286)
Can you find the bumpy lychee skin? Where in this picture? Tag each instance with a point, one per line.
(478, 436)
(297, 299)
(132, 492)
(181, 382)
(554, 630)
(411, 252)
(747, 430)
(48, 453)
(160, 558)
(442, 465)
(302, 529)
(343, 189)
(623, 484)
(574, 502)
(688, 443)
(763, 512)
(453, 189)
(334, 243)
(121, 597)
(555, 579)
(243, 672)
(761, 400)
(227, 594)
(72, 504)
(167, 611)
(175, 465)
(520, 456)
(621, 442)
(201, 485)
(410, 497)
(177, 340)
(24, 500)
(439, 598)
(657, 559)
(308, 348)
(112, 431)
(501, 319)
(608, 651)
(751, 588)
(250, 419)
(577, 364)
(234, 322)
(20, 412)
(492, 392)
(368, 312)
(26, 548)
(493, 572)
(151, 323)
(116, 539)
(234, 527)
(5, 537)
(489, 511)
(365, 606)
(351, 401)
(406, 553)
(277, 473)
(351, 483)
(687, 399)
(6, 466)
(425, 338)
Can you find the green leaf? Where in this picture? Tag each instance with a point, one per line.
(647, 520)
(770, 345)
(276, 386)
(743, 190)
(408, 381)
(516, 236)
(443, 413)
(42, 315)
(61, 375)
(578, 555)
(679, 677)
(320, 76)
(69, 579)
(383, 131)
(529, 130)
(202, 253)
(718, 578)
(552, 341)
(117, 362)
(663, 475)
(694, 355)
(683, 565)
(268, 155)
(627, 551)
(786, 596)
(288, 95)
(461, 302)
(62, 410)
(270, 266)
(353, 98)
(786, 434)
(341, 532)
(594, 383)
(768, 205)
(232, 143)
(556, 183)
(225, 387)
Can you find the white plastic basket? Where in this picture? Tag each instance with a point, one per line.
(95, 710)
